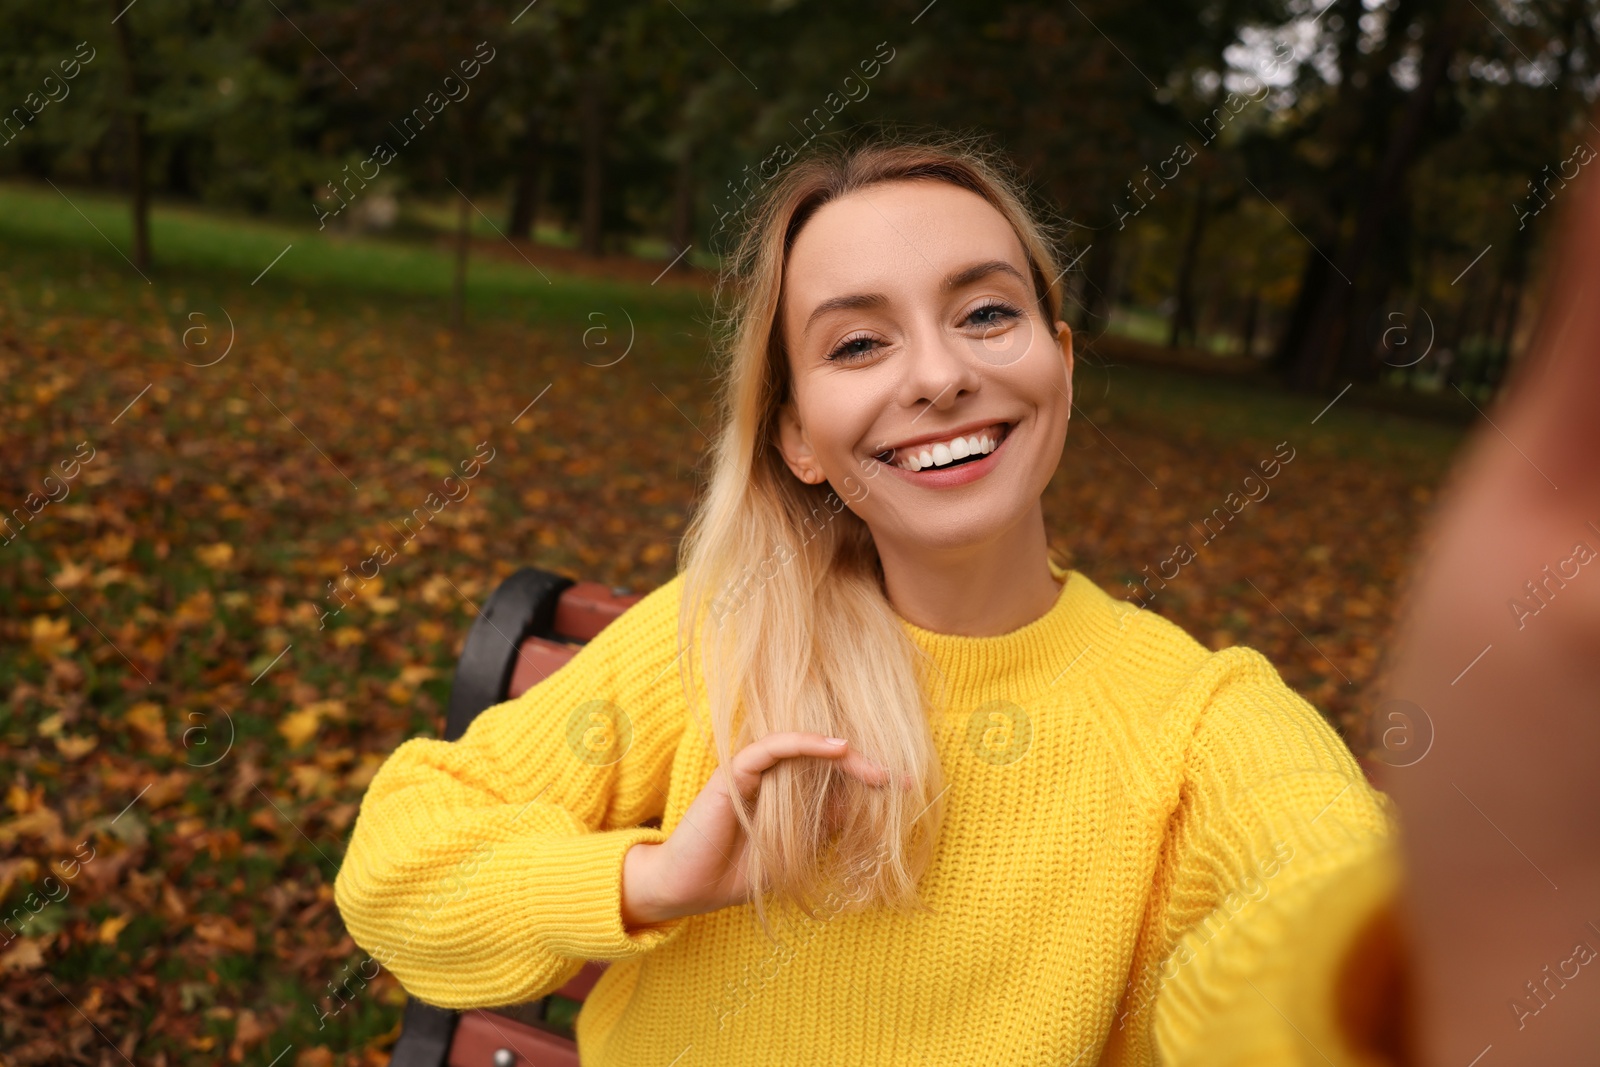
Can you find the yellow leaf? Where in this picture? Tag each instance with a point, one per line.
(300, 726)
(51, 726)
(196, 609)
(71, 575)
(76, 747)
(436, 590)
(346, 636)
(385, 605)
(20, 800)
(416, 674)
(146, 717)
(110, 928)
(310, 780)
(109, 576)
(52, 637)
(215, 556)
(113, 548)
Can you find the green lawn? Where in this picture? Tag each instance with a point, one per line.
(52, 236)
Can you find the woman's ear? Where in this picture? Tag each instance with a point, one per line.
(796, 446)
(1064, 338)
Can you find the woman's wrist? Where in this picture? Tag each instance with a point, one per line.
(639, 908)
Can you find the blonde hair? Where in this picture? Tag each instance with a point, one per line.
(802, 637)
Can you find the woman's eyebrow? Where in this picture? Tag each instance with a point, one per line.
(952, 281)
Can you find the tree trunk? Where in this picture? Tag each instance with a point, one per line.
(1328, 332)
(683, 210)
(1183, 312)
(458, 286)
(525, 193)
(1252, 311)
(136, 134)
(1097, 283)
(592, 113)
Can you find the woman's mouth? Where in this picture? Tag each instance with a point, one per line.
(955, 451)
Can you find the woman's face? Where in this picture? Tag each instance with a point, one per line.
(915, 341)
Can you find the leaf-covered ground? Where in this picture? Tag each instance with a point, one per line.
(188, 725)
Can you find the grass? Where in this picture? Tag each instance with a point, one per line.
(211, 255)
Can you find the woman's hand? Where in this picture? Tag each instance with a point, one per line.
(700, 867)
(1501, 652)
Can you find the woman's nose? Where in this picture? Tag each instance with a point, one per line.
(942, 367)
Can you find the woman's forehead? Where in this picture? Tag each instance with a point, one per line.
(903, 235)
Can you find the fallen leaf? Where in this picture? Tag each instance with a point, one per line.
(71, 575)
(217, 556)
(346, 636)
(199, 608)
(111, 927)
(76, 747)
(52, 637)
(223, 932)
(113, 548)
(300, 726)
(147, 718)
(26, 955)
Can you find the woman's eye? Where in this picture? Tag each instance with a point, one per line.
(852, 348)
(993, 314)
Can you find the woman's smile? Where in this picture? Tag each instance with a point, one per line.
(949, 459)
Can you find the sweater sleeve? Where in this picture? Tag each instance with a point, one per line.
(1283, 868)
(485, 871)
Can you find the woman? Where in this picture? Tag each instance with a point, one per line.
(1003, 816)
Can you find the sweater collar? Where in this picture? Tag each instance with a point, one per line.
(1053, 652)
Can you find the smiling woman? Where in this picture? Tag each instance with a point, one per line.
(1040, 799)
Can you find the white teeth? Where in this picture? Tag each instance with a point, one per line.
(946, 452)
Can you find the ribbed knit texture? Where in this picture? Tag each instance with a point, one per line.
(1153, 853)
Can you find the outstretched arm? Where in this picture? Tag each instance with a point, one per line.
(1280, 860)
(485, 871)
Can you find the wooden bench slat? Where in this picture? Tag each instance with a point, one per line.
(586, 608)
(578, 988)
(480, 1034)
(537, 659)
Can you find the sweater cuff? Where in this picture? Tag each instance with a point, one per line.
(1351, 987)
(581, 878)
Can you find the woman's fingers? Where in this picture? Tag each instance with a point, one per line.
(760, 755)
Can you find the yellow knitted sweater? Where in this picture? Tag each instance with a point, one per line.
(1153, 853)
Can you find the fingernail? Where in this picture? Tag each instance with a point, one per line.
(836, 740)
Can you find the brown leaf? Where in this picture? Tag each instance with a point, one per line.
(223, 932)
(26, 955)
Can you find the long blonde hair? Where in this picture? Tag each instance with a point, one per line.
(782, 580)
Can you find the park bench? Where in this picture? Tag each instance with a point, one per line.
(532, 624)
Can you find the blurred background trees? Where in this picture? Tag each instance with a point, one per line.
(1324, 189)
